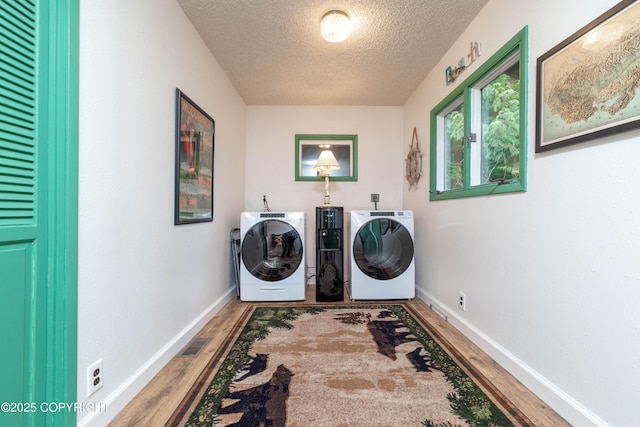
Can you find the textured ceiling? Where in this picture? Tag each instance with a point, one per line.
(273, 52)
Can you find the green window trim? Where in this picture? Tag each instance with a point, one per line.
(518, 45)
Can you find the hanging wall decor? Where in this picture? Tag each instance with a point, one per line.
(453, 71)
(343, 147)
(588, 86)
(414, 161)
(194, 162)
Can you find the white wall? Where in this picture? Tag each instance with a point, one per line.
(270, 167)
(552, 276)
(145, 285)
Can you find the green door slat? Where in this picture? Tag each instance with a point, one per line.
(21, 76)
(16, 222)
(10, 155)
(7, 32)
(17, 218)
(25, 215)
(16, 65)
(9, 189)
(14, 145)
(17, 143)
(16, 164)
(16, 209)
(11, 115)
(11, 38)
(11, 108)
(22, 14)
(22, 95)
(15, 197)
(21, 57)
(17, 172)
(13, 180)
(17, 101)
(16, 130)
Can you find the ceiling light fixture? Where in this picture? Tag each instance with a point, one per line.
(335, 26)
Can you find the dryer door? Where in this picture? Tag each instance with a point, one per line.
(272, 250)
(383, 249)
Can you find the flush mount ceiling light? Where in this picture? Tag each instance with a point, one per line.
(335, 26)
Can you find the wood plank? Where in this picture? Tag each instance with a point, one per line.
(155, 404)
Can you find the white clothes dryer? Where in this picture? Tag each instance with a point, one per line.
(272, 253)
(382, 261)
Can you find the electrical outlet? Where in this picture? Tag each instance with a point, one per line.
(375, 197)
(95, 377)
(462, 301)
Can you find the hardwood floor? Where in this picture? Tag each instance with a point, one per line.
(155, 404)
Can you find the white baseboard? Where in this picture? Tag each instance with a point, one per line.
(117, 400)
(567, 407)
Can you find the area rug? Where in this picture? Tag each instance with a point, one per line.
(360, 365)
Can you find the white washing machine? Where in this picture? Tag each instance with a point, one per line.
(382, 261)
(272, 256)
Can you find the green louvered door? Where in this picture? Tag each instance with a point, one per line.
(37, 287)
(21, 243)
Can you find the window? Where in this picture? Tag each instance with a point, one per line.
(479, 135)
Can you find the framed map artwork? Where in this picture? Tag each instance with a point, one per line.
(588, 85)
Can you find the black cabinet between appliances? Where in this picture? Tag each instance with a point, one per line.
(329, 254)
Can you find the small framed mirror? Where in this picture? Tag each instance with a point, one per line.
(343, 147)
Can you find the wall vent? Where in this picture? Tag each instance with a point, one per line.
(194, 346)
(439, 312)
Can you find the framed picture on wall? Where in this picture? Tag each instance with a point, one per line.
(195, 131)
(308, 149)
(588, 86)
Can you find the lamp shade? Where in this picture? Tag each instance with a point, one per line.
(335, 26)
(326, 162)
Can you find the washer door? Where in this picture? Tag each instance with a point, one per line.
(272, 250)
(383, 249)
